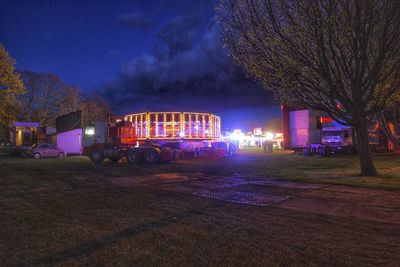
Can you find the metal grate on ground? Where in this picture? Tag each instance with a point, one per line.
(259, 199)
(393, 201)
(220, 184)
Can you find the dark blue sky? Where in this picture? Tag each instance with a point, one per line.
(140, 55)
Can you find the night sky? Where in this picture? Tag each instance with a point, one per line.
(139, 55)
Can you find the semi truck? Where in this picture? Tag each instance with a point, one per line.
(114, 141)
(309, 132)
(157, 136)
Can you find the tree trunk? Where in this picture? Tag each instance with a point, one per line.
(364, 151)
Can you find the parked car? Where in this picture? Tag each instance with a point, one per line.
(46, 150)
(20, 151)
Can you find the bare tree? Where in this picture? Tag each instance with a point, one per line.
(42, 102)
(95, 109)
(72, 100)
(48, 97)
(337, 56)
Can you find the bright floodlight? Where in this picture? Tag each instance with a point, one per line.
(269, 136)
(89, 130)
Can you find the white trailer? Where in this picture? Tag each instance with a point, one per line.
(69, 141)
(303, 128)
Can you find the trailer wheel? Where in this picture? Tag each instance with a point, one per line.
(97, 156)
(134, 156)
(152, 156)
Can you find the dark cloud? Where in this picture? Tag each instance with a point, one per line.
(189, 70)
(134, 20)
(177, 36)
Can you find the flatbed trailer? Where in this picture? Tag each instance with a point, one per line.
(116, 141)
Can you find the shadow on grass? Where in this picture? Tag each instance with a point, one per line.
(90, 246)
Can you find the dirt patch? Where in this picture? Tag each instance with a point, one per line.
(171, 176)
(153, 179)
(126, 181)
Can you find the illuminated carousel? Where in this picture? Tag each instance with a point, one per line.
(175, 125)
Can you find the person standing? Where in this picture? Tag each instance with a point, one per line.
(264, 145)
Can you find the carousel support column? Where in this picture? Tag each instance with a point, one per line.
(210, 126)
(219, 127)
(136, 126)
(190, 125)
(173, 125)
(147, 125)
(197, 125)
(203, 124)
(141, 125)
(165, 125)
(182, 122)
(156, 124)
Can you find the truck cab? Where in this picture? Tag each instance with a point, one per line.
(338, 138)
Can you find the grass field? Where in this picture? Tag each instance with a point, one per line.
(68, 212)
(336, 169)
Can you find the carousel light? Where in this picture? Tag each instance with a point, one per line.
(201, 125)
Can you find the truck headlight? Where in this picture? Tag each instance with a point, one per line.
(89, 130)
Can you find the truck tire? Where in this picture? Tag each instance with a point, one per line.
(325, 151)
(152, 156)
(97, 156)
(134, 156)
(177, 154)
(307, 152)
(322, 151)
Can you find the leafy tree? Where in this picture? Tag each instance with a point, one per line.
(337, 56)
(10, 87)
